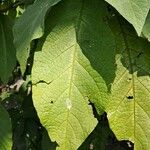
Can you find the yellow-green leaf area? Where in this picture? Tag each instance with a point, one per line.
(70, 70)
(128, 109)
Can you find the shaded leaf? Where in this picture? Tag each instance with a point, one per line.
(7, 50)
(134, 11)
(5, 130)
(146, 28)
(30, 26)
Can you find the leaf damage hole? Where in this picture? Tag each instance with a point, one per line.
(141, 53)
(52, 102)
(129, 97)
(42, 81)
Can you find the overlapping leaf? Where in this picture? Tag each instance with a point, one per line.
(7, 50)
(135, 11)
(70, 70)
(5, 130)
(30, 26)
(146, 28)
(128, 110)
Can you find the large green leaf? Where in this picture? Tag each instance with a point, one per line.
(7, 50)
(70, 70)
(135, 11)
(128, 110)
(5, 130)
(146, 28)
(30, 26)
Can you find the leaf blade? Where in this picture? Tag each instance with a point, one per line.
(129, 99)
(69, 77)
(134, 11)
(30, 26)
(7, 49)
(5, 130)
(146, 28)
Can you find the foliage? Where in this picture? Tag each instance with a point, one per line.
(75, 74)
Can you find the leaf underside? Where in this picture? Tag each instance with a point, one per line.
(146, 28)
(134, 11)
(28, 27)
(89, 54)
(128, 109)
(70, 78)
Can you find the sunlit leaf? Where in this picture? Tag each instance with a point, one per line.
(70, 68)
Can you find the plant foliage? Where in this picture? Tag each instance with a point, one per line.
(74, 74)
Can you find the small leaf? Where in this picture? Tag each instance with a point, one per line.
(5, 130)
(134, 11)
(30, 26)
(7, 50)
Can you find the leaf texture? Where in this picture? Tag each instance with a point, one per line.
(30, 26)
(70, 70)
(5, 130)
(134, 11)
(146, 28)
(7, 49)
(128, 110)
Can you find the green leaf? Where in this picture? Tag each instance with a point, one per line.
(70, 70)
(128, 110)
(30, 26)
(5, 130)
(26, 2)
(146, 28)
(100, 137)
(7, 50)
(134, 11)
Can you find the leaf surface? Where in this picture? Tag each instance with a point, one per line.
(7, 50)
(66, 73)
(5, 130)
(128, 110)
(30, 26)
(134, 11)
(146, 28)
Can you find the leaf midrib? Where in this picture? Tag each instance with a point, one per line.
(131, 68)
(77, 26)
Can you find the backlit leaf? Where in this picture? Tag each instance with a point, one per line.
(134, 11)
(70, 70)
(128, 110)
